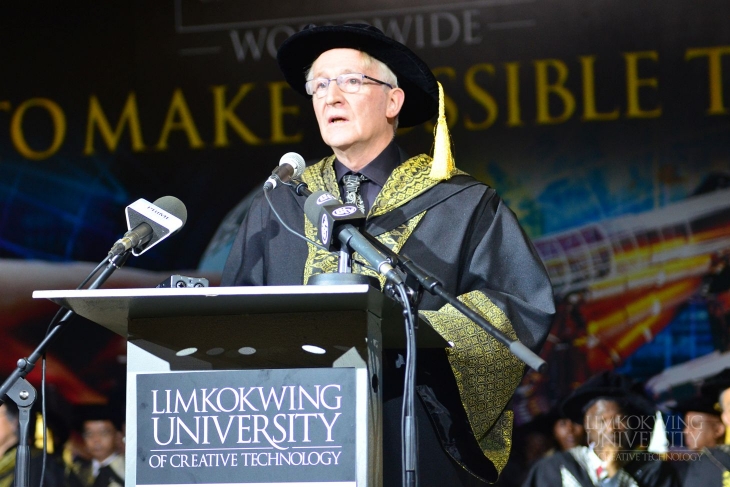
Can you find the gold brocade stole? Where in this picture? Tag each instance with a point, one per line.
(407, 181)
(486, 372)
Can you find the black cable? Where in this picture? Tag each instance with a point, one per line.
(93, 273)
(409, 434)
(83, 283)
(268, 199)
(43, 419)
(54, 321)
(51, 324)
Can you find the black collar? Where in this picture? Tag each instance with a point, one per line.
(378, 170)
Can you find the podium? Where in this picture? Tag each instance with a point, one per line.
(261, 386)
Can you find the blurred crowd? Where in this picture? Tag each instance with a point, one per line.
(607, 432)
(86, 450)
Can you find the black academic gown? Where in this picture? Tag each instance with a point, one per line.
(56, 473)
(462, 233)
(711, 469)
(645, 472)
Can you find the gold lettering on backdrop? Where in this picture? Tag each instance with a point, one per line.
(278, 110)
(543, 90)
(481, 96)
(224, 115)
(129, 117)
(474, 92)
(514, 116)
(634, 84)
(59, 128)
(590, 112)
(451, 110)
(714, 75)
(179, 118)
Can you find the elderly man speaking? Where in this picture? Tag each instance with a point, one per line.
(363, 85)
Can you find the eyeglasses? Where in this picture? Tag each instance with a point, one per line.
(349, 83)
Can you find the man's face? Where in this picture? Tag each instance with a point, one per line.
(353, 122)
(603, 425)
(100, 437)
(702, 430)
(8, 428)
(568, 434)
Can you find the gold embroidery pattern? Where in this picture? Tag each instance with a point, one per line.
(322, 176)
(486, 372)
(319, 177)
(319, 261)
(405, 183)
(394, 240)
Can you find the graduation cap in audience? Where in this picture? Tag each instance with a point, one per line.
(98, 412)
(698, 404)
(607, 385)
(714, 385)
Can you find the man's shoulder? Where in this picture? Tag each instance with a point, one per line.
(719, 456)
(556, 460)
(709, 469)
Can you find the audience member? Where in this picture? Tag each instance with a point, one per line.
(101, 429)
(56, 475)
(618, 421)
(702, 425)
(713, 466)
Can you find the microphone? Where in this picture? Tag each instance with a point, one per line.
(149, 224)
(332, 220)
(291, 166)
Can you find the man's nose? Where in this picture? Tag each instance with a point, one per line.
(333, 93)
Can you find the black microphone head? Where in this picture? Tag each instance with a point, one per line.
(174, 207)
(165, 217)
(314, 202)
(294, 160)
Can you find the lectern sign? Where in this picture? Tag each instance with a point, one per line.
(278, 427)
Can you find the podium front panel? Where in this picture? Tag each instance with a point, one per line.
(249, 427)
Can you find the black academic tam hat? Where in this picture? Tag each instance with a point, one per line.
(698, 404)
(299, 51)
(608, 385)
(98, 412)
(715, 384)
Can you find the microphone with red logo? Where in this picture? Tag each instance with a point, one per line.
(334, 222)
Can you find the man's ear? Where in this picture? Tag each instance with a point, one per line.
(726, 417)
(396, 97)
(719, 432)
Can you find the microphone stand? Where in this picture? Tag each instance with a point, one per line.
(409, 299)
(23, 394)
(433, 286)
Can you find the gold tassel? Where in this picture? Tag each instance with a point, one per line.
(442, 166)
